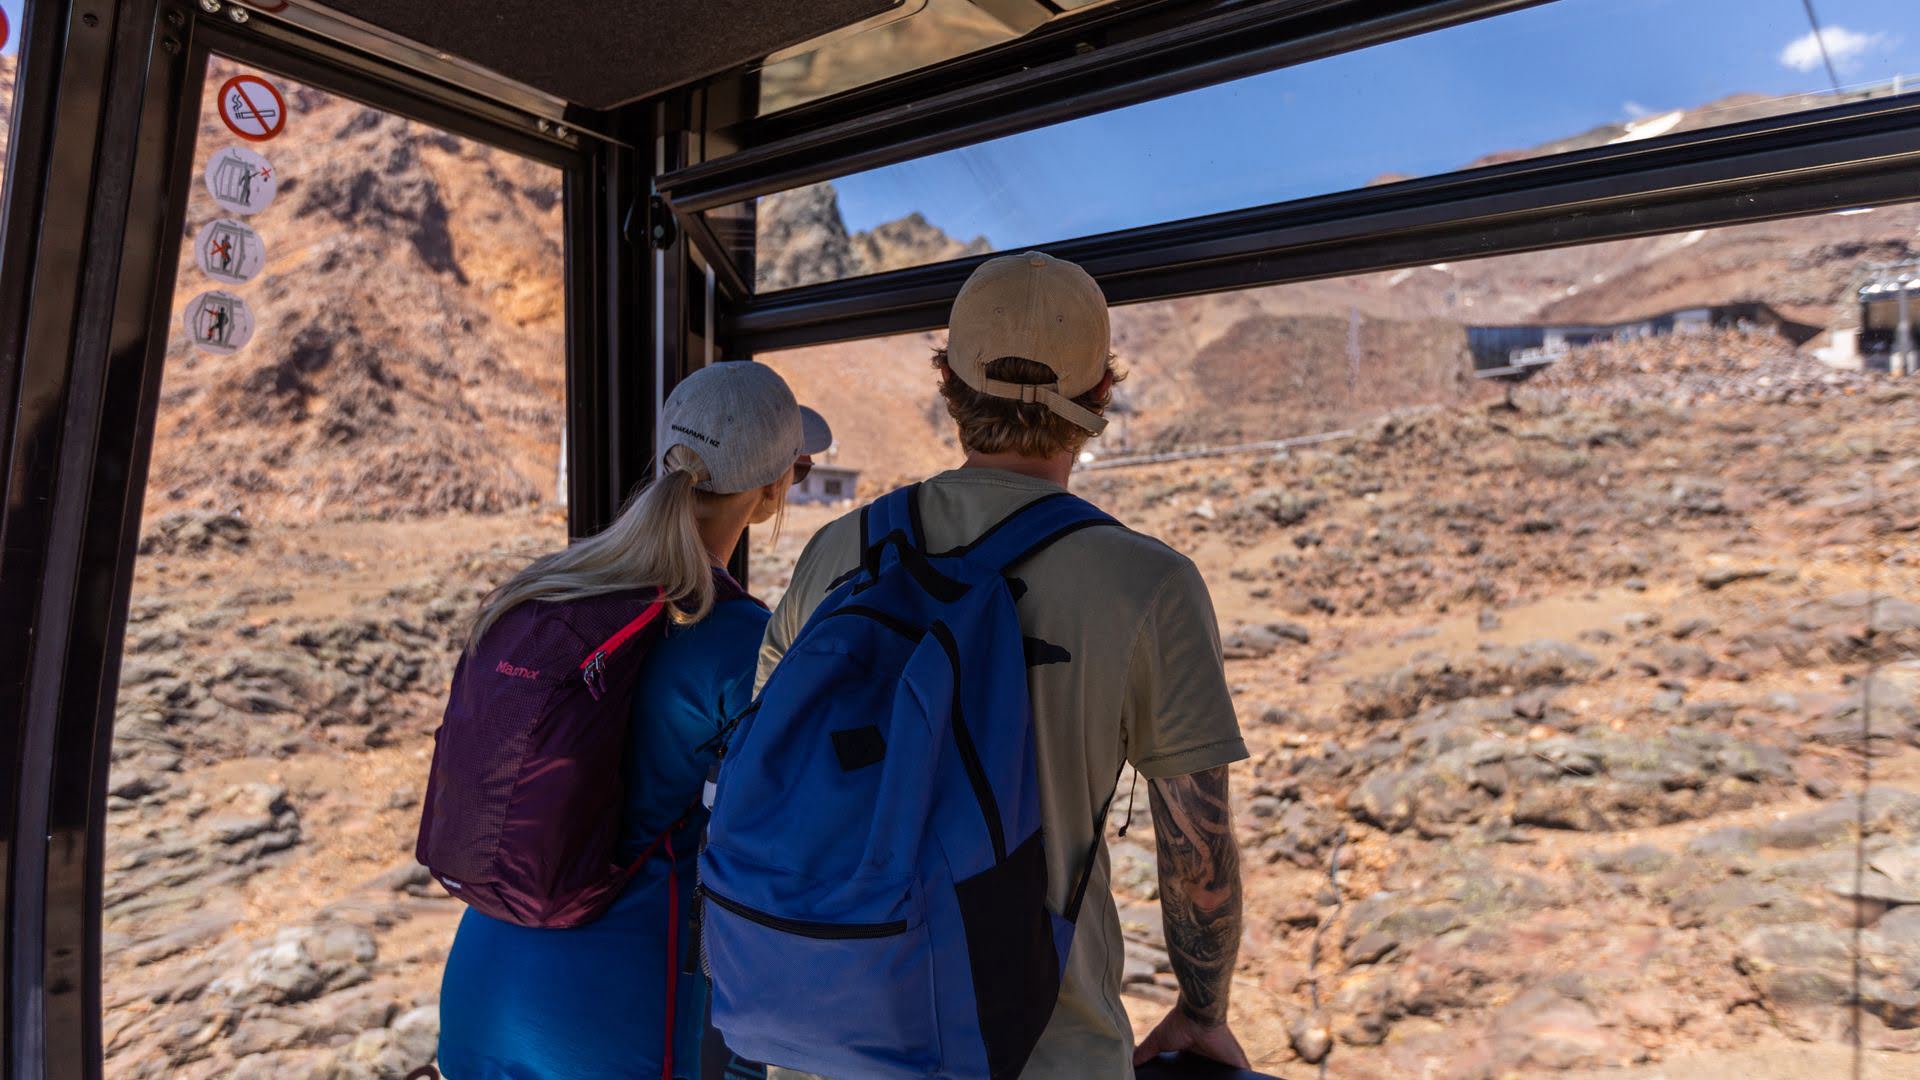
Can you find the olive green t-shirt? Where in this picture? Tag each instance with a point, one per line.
(1140, 679)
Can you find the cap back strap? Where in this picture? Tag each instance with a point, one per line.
(1047, 394)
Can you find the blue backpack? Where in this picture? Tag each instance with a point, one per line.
(874, 881)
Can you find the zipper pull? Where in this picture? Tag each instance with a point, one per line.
(595, 675)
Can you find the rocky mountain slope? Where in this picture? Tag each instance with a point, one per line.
(1316, 355)
(410, 342)
(1577, 690)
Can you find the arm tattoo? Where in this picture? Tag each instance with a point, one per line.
(1199, 887)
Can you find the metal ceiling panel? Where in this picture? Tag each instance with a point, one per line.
(601, 55)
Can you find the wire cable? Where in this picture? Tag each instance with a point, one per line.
(1820, 39)
(1855, 1001)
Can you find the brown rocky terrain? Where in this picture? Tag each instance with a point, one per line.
(1313, 356)
(1558, 706)
(1577, 690)
(1574, 689)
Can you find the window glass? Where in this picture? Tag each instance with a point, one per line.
(918, 34)
(1557, 689)
(324, 504)
(927, 32)
(1541, 80)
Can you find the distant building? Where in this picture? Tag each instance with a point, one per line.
(1889, 302)
(827, 483)
(1521, 347)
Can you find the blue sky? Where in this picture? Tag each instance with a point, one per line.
(1420, 106)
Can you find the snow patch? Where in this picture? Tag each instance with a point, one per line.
(1650, 127)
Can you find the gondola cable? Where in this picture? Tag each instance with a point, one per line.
(1820, 39)
(1861, 819)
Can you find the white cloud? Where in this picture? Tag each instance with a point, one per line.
(1636, 111)
(1843, 45)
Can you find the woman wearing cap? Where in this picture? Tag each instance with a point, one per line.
(519, 1002)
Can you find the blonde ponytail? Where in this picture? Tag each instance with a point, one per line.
(653, 543)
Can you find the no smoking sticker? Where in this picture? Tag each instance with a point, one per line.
(219, 322)
(252, 108)
(241, 181)
(230, 251)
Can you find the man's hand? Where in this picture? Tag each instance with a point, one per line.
(1200, 910)
(1182, 1032)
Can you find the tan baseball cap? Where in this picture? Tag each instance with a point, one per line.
(1038, 308)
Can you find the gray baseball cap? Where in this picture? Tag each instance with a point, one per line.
(740, 418)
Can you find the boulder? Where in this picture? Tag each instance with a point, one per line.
(300, 963)
(1280, 507)
(1431, 679)
(1255, 642)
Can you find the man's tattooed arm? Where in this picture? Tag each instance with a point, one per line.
(1199, 888)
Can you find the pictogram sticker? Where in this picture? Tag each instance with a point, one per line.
(229, 250)
(219, 322)
(252, 108)
(241, 181)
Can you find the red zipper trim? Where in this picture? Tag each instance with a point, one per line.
(621, 635)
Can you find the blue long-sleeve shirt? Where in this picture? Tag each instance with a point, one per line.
(589, 1002)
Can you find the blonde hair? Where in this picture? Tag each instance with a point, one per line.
(652, 544)
(995, 425)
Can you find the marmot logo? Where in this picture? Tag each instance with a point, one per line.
(506, 668)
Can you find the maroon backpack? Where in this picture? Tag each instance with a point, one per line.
(522, 817)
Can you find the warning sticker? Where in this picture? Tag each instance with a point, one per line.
(230, 251)
(252, 108)
(219, 322)
(241, 181)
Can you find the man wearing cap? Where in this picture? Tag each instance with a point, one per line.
(1130, 669)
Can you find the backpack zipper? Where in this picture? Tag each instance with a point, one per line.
(593, 670)
(802, 928)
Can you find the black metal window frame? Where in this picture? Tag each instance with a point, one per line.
(1105, 59)
(1857, 155)
(107, 111)
(1851, 155)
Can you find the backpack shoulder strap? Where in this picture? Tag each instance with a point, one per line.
(1032, 529)
(893, 521)
(898, 511)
